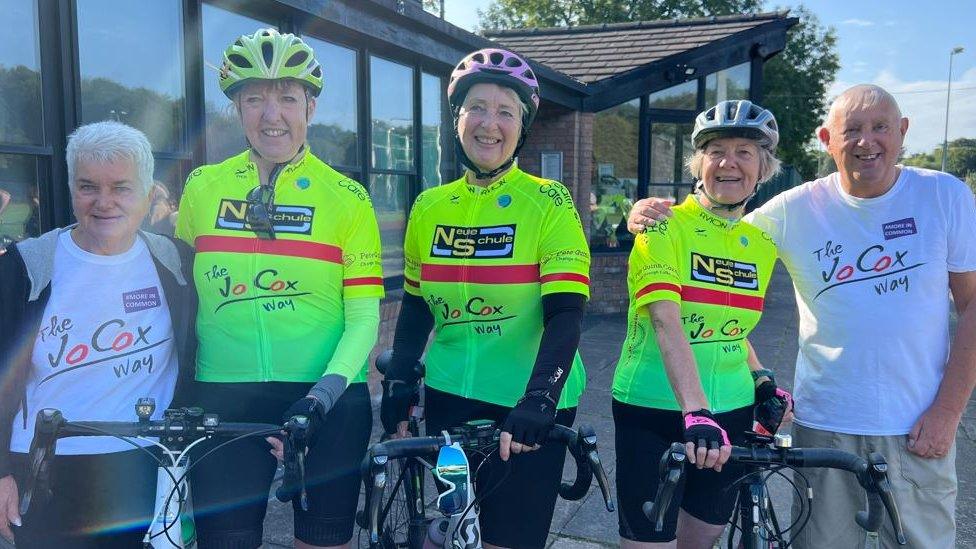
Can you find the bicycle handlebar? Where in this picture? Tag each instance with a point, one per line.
(176, 431)
(872, 474)
(581, 444)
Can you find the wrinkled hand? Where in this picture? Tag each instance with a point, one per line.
(527, 425)
(277, 448)
(934, 433)
(9, 505)
(647, 212)
(706, 442)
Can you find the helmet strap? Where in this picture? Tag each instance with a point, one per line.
(715, 204)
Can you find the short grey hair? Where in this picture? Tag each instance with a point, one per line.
(769, 165)
(109, 141)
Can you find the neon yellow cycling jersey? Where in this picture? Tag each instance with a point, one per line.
(483, 258)
(717, 271)
(272, 310)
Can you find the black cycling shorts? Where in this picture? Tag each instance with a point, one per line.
(99, 501)
(642, 435)
(520, 495)
(230, 489)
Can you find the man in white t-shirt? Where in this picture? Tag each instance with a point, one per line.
(875, 250)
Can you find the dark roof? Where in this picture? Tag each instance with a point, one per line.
(591, 53)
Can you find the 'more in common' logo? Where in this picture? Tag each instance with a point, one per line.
(896, 229)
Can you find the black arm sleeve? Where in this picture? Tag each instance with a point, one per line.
(562, 318)
(410, 339)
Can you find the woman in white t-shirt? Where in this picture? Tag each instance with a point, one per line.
(92, 316)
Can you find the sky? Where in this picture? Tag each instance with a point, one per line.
(902, 45)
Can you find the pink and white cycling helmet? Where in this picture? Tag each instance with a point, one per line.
(496, 66)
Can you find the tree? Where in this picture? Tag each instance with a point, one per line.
(961, 161)
(795, 81)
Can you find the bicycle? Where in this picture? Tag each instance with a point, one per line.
(458, 526)
(180, 430)
(764, 457)
(401, 522)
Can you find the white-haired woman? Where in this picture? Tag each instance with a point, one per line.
(67, 300)
(687, 372)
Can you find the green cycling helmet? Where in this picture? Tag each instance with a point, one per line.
(269, 55)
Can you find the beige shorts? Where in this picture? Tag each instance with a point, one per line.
(925, 491)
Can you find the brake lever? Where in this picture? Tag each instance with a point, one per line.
(587, 437)
(43, 447)
(295, 444)
(671, 469)
(878, 470)
(377, 471)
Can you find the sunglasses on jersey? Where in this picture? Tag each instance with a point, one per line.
(260, 204)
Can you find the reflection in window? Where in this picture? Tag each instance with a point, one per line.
(682, 96)
(332, 135)
(20, 215)
(165, 196)
(389, 195)
(131, 65)
(614, 184)
(726, 84)
(20, 74)
(225, 138)
(432, 97)
(670, 148)
(391, 105)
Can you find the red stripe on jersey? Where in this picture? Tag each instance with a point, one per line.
(570, 277)
(291, 248)
(716, 297)
(411, 282)
(480, 274)
(363, 281)
(656, 286)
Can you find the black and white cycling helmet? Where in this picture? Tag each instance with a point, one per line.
(736, 119)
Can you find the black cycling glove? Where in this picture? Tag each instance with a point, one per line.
(398, 397)
(310, 408)
(532, 418)
(771, 405)
(702, 430)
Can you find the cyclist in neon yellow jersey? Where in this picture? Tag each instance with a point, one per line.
(497, 265)
(289, 280)
(686, 370)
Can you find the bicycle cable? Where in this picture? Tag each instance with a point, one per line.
(770, 524)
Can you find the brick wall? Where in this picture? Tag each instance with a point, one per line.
(608, 284)
(557, 128)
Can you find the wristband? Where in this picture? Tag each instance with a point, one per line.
(756, 374)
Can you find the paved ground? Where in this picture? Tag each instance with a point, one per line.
(587, 524)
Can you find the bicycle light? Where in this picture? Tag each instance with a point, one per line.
(783, 441)
(145, 407)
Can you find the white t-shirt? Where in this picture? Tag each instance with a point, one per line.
(105, 340)
(872, 287)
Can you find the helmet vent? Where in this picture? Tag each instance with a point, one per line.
(266, 32)
(238, 43)
(267, 51)
(529, 74)
(478, 57)
(496, 58)
(317, 73)
(513, 62)
(239, 61)
(297, 59)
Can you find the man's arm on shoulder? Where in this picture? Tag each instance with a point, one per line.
(934, 432)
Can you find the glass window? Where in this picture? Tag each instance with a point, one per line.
(682, 96)
(131, 63)
(19, 203)
(726, 84)
(670, 149)
(614, 183)
(333, 133)
(389, 195)
(432, 98)
(225, 137)
(165, 196)
(20, 74)
(391, 105)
